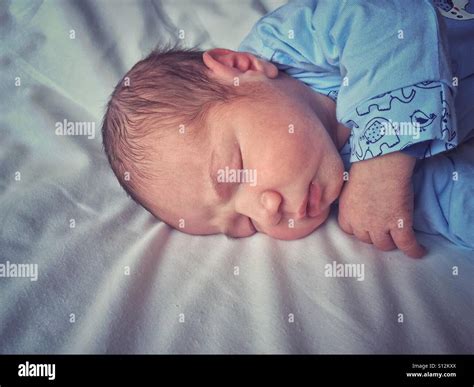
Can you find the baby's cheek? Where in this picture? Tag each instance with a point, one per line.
(285, 166)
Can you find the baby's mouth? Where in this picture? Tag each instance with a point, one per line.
(311, 205)
(303, 210)
(313, 208)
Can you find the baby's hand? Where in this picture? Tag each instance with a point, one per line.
(376, 204)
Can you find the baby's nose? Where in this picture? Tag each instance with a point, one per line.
(270, 212)
(271, 201)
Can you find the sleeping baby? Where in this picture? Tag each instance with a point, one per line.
(363, 104)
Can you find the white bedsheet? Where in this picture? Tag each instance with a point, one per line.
(184, 294)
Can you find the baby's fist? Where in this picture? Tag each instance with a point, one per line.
(376, 204)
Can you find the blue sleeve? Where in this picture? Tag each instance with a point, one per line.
(289, 38)
(386, 61)
(417, 120)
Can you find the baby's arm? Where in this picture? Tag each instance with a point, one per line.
(376, 205)
(391, 127)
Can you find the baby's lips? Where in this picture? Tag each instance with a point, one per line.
(314, 200)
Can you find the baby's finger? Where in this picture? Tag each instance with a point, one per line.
(405, 240)
(363, 236)
(382, 240)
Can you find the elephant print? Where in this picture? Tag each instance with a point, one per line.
(383, 102)
(375, 138)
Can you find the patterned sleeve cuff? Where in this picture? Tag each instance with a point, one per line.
(418, 120)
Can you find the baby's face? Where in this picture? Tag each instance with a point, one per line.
(270, 165)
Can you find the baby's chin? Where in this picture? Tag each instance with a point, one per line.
(300, 231)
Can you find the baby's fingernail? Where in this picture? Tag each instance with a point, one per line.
(421, 252)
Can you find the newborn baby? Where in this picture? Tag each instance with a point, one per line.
(262, 139)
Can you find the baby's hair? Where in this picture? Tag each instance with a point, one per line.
(161, 94)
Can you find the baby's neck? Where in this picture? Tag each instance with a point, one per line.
(326, 111)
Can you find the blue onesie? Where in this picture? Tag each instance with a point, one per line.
(402, 73)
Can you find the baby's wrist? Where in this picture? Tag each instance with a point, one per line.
(397, 165)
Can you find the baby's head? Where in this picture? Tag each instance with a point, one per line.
(222, 142)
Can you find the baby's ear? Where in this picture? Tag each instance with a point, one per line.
(228, 64)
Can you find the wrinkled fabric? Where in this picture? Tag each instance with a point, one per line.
(118, 281)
